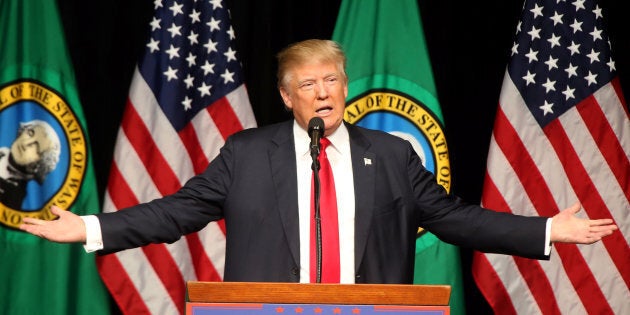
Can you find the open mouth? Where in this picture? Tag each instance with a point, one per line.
(324, 110)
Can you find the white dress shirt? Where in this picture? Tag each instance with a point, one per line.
(339, 156)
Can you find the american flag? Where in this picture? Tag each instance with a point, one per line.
(561, 135)
(187, 95)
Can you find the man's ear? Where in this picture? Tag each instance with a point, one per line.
(285, 98)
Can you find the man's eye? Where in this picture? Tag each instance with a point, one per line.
(306, 85)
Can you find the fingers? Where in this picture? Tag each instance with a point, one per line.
(575, 208)
(32, 226)
(26, 226)
(602, 222)
(603, 228)
(567, 227)
(32, 221)
(598, 231)
(56, 210)
(40, 227)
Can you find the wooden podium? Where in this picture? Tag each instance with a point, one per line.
(223, 298)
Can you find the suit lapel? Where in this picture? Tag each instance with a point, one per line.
(364, 170)
(283, 171)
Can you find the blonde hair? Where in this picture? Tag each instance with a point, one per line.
(311, 50)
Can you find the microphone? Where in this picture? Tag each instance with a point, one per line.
(315, 132)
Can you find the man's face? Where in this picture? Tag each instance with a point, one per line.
(29, 145)
(316, 90)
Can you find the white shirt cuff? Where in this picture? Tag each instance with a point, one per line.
(548, 238)
(93, 237)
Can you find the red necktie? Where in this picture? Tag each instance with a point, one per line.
(329, 222)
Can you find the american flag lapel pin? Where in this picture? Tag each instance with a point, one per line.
(367, 161)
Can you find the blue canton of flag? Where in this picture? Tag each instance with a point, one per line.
(561, 56)
(190, 60)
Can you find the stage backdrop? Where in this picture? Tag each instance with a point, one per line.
(469, 45)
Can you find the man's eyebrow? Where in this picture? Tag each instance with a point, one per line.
(305, 80)
(327, 75)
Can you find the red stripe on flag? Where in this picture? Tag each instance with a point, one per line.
(194, 148)
(112, 272)
(589, 195)
(168, 272)
(491, 285)
(536, 188)
(157, 254)
(518, 156)
(227, 123)
(200, 162)
(607, 141)
(530, 270)
(491, 198)
(204, 268)
(120, 285)
(221, 224)
(538, 284)
(224, 117)
(140, 138)
(119, 190)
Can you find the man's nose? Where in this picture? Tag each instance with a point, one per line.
(321, 90)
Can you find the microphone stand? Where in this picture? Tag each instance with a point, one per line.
(318, 225)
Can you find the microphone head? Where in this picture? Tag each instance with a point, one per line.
(315, 123)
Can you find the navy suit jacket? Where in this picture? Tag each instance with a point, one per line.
(252, 184)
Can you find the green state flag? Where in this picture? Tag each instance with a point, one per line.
(45, 159)
(391, 88)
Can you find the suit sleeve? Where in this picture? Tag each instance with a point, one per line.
(472, 226)
(166, 219)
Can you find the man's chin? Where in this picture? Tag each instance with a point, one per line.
(331, 127)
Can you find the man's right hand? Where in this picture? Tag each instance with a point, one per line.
(67, 228)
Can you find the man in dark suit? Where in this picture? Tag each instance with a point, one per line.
(260, 183)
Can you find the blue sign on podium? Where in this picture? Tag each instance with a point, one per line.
(315, 309)
(257, 298)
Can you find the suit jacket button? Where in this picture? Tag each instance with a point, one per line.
(295, 271)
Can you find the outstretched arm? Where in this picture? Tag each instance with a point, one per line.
(568, 228)
(68, 228)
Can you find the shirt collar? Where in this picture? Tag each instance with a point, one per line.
(302, 140)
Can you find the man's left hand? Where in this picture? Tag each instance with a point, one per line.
(566, 227)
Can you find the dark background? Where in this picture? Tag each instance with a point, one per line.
(468, 41)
